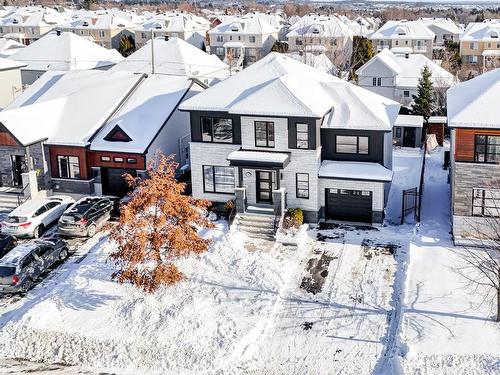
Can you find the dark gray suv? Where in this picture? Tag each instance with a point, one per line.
(24, 264)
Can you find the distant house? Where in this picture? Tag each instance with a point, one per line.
(83, 130)
(241, 41)
(445, 29)
(63, 51)
(262, 138)
(175, 57)
(404, 36)
(10, 81)
(28, 24)
(395, 76)
(475, 154)
(480, 44)
(185, 26)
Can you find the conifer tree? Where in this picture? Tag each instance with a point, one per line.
(424, 101)
(156, 227)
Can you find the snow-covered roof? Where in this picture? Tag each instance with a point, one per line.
(445, 24)
(8, 64)
(438, 120)
(354, 170)
(320, 26)
(107, 20)
(67, 108)
(8, 47)
(412, 121)
(403, 30)
(143, 114)
(277, 158)
(175, 22)
(489, 30)
(66, 51)
(34, 17)
(317, 61)
(474, 103)
(248, 25)
(174, 57)
(408, 67)
(281, 86)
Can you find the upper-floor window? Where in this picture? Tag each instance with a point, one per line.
(68, 166)
(219, 130)
(486, 202)
(220, 38)
(302, 135)
(102, 33)
(264, 134)
(351, 144)
(487, 148)
(251, 38)
(406, 93)
(473, 45)
(144, 36)
(298, 42)
(377, 81)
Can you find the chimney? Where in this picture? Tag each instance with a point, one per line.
(166, 38)
(407, 55)
(58, 32)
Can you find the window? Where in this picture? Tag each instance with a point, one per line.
(487, 148)
(406, 93)
(251, 38)
(473, 45)
(105, 158)
(52, 205)
(302, 135)
(351, 145)
(144, 36)
(486, 202)
(118, 160)
(379, 81)
(40, 211)
(302, 184)
(132, 160)
(264, 134)
(218, 179)
(219, 51)
(102, 34)
(298, 42)
(220, 38)
(398, 132)
(68, 166)
(219, 130)
(374, 82)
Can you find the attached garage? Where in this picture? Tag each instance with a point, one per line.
(349, 205)
(113, 182)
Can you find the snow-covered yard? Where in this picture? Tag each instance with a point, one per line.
(247, 307)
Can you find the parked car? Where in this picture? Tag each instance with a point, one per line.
(85, 217)
(7, 243)
(32, 217)
(24, 264)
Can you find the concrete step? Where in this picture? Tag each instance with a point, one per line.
(257, 230)
(8, 202)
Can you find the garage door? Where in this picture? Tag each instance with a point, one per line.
(349, 205)
(113, 182)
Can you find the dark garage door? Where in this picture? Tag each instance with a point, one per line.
(349, 205)
(113, 182)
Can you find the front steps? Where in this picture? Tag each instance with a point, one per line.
(8, 202)
(256, 225)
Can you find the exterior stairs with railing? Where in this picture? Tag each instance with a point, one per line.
(8, 200)
(256, 223)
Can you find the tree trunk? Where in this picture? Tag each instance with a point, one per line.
(498, 305)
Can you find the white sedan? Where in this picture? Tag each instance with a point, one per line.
(32, 217)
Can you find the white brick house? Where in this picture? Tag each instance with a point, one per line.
(283, 132)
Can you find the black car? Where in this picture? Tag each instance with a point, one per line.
(7, 243)
(85, 217)
(26, 263)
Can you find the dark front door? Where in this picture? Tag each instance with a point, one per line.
(264, 187)
(113, 182)
(349, 205)
(18, 167)
(409, 137)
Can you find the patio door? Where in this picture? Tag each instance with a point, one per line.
(264, 186)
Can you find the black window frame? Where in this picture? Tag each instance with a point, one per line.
(357, 144)
(68, 169)
(214, 191)
(211, 125)
(131, 160)
(297, 132)
(302, 181)
(485, 152)
(482, 198)
(398, 132)
(106, 159)
(118, 159)
(267, 124)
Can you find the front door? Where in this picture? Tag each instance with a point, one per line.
(264, 187)
(409, 137)
(18, 167)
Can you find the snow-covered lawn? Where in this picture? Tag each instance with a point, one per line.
(243, 308)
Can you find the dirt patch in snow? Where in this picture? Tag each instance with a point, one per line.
(371, 248)
(318, 271)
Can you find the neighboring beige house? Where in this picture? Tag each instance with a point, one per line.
(444, 28)
(243, 40)
(105, 29)
(10, 81)
(404, 36)
(28, 24)
(185, 26)
(480, 44)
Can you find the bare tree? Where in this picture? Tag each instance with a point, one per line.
(480, 262)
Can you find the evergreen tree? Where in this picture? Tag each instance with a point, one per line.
(127, 45)
(424, 101)
(362, 52)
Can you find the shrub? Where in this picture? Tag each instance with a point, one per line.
(294, 218)
(228, 206)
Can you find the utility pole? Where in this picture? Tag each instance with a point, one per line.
(152, 52)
